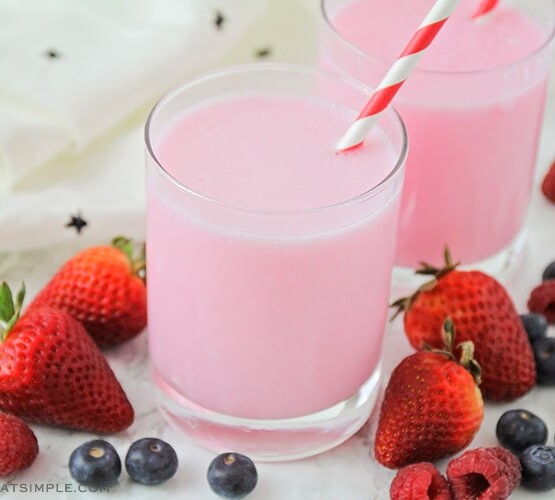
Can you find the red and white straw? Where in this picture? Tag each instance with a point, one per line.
(397, 74)
(485, 8)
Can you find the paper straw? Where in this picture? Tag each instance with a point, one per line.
(397, 74)
(485, 7)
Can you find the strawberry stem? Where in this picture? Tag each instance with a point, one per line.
(136, 259)
(438, 272)
(405, 303)
(9, 309)
(448, 333)
(125, 245)
(466, 359)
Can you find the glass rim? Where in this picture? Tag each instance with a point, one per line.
(269, 67)
(550, 36)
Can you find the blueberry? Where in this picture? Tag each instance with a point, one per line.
(232, 475)
(538, 467)
(544, 354)
(549, 272)
(535, 325)
(516, 430)
(95, 463)
(151, 461)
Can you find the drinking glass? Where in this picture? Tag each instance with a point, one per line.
(266, 324)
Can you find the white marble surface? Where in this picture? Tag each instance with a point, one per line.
(346, 473)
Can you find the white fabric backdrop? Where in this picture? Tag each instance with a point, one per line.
(77, 79)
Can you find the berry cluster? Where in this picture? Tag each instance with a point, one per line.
(431, 410)
(526, 434)
(53, 371)
(541, 304)
(151, 461)
(433, 403)
(480, 473)
(148, 461)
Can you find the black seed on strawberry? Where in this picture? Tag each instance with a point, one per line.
(516, 430)
(232, 475)
(151, 461)
(535, 325)
(544, 354)
(549, 272)
(95, 463)
(538, 468)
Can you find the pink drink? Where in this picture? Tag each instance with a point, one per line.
(473, 110)
(262, 304)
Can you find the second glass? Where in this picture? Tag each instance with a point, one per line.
(473, 110)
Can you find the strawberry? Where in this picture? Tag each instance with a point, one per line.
(51, 371)
(548, 184)
(103, 288)
(432, 406)
(18, 445)
(485, 314)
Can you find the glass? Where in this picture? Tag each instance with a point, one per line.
(266, 325)
(474, 131)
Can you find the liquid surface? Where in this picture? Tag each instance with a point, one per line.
(383, 28)
(272, 153)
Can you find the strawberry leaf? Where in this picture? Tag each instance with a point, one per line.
(138, 262)
(125, 245)
(20, 297)
(447, 256)
(9, 310)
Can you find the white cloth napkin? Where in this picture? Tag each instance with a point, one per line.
(77, 78)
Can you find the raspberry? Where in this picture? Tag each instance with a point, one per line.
(548, 184)
(542, 300)
(484, 473)
(420, 481)
(513, 470)
(18, 445)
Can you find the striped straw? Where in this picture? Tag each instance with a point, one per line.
(485, 7)
(397, 74)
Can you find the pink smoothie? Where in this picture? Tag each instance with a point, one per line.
(258, 314)
(473, 124)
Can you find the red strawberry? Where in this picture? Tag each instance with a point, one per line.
(542, 300)
(548, 184)
(102, 288)
(432, 406)
(51, 371)
(485, 314)
(18, 445)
